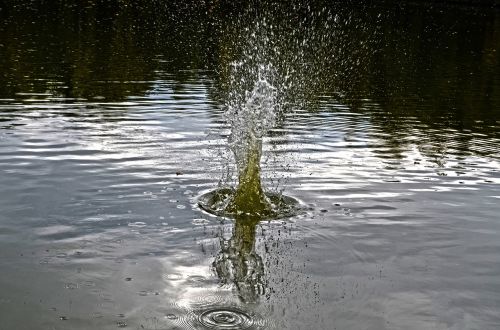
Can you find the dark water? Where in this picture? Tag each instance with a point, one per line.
(111, 125)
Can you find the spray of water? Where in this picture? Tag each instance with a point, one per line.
(249, 122)
(271, 65)
(253, 102)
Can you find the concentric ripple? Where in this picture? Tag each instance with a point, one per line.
(216, 201)
(226, 318)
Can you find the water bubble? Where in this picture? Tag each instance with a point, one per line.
(225, 318)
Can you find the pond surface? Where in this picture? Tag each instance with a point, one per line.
(112, 125)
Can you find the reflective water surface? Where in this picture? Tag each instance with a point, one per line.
(112, 126)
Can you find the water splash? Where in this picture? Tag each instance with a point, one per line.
(249, 122)
(253, 103)
(277, 59)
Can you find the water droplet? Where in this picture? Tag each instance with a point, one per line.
(171, 316)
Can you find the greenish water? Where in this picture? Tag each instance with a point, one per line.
(384, 125)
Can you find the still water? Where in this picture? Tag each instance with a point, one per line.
(113, 122)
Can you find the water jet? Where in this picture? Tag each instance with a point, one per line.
(249, 123)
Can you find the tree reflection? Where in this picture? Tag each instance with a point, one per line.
(438, 65)
(108, 50)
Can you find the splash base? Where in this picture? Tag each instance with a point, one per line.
(217, 201)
